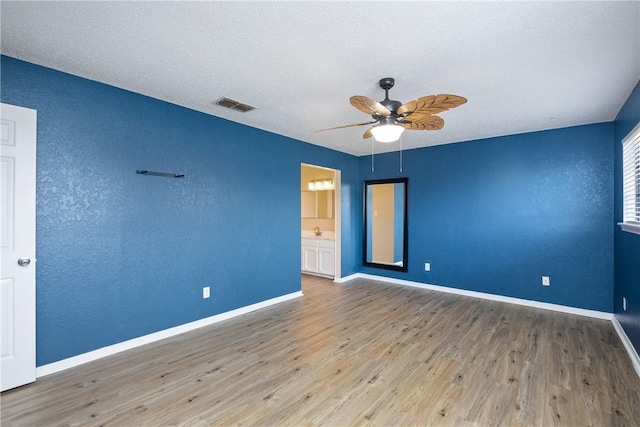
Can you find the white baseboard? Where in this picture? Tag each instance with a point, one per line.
(633, 354)
(346, 278)
(491, 297)
(146, 339)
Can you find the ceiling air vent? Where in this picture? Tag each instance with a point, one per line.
(234, 105)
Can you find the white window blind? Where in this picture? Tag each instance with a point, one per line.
(631, 177)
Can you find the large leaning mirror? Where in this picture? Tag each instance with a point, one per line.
(385, 224)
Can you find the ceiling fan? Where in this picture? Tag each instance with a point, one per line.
(391, 117)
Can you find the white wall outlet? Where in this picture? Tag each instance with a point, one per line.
(206, 292)
(545, 281)
(427, 266)
(624, 304)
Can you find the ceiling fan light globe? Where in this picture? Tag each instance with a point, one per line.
(387, 133)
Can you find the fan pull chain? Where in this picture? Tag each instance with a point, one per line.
(400, 153)
(372, 163)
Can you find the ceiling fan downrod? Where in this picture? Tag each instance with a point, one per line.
(386, 84)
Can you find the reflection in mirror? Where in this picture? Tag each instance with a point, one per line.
(317, 204)
(385, 224)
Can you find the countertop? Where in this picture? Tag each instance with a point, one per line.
(310, 234)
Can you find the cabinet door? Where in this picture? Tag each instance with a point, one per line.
(310, 259)
(326, 261)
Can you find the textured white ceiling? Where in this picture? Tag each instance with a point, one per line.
(523, 66)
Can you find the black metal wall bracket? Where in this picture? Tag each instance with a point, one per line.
(168, 175)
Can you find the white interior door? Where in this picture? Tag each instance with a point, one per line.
(18, 246)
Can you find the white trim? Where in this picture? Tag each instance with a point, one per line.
(633, 354)
(167, 333)
(492, 297)
(337, 221)
(632, 134)
(346, 278)
(156, 336)
(630, 202)
(630, 227)
(337, 226)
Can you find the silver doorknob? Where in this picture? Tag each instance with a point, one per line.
(23, 262)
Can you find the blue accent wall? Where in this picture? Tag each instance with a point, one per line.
(122, 255)
(627, 245)
(495, 215)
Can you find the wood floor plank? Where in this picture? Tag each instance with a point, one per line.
(362, 353)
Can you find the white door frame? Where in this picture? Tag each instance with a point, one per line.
(337, 217)
(338, 224)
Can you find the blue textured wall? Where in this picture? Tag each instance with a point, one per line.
(627, 245)
(122, 255)
(495, 215)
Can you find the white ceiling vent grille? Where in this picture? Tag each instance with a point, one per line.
(234, 105)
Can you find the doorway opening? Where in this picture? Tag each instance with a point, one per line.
(320, 215)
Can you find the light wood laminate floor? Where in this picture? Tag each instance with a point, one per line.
(361, 353)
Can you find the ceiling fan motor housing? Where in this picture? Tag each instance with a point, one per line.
(388, 120)
(391, 105)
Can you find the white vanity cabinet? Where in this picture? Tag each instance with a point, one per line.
(318, 257)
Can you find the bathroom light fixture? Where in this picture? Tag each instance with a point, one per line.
(387, 132)
(320, 184)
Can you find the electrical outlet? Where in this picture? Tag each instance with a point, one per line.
(545, 281)
(624, 304)
(427, 266)
(206, 292)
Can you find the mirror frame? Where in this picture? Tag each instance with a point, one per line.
(405, 231)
